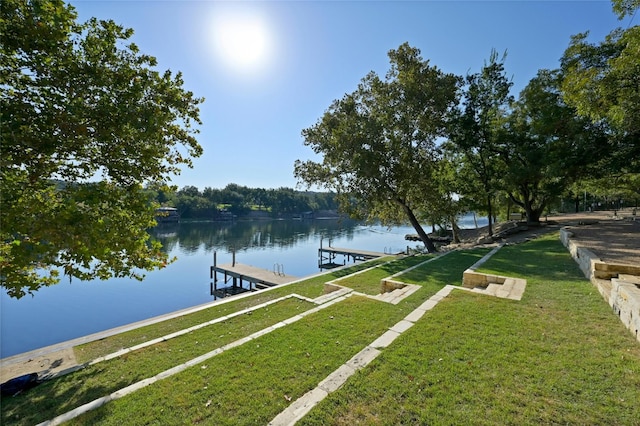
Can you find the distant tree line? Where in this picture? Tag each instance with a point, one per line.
(240, 201)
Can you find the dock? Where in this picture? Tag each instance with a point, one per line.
(327, 256)
(257, 278)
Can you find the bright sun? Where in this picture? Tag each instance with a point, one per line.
(242, 42)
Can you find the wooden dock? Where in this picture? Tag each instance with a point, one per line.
(257, 278)
(327, 256)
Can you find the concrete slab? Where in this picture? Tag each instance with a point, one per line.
(415, 315)
(363, 358)
(492, 289)
(299, 408)
(518, 290)
(336, 379)
(45, 365)
(385, 340)
(429, 304)
(402, 326)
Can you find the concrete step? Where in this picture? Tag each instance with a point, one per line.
(518, 289)
(493, 289)
(332, 295)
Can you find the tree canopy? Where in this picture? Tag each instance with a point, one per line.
(546, 146)
(602, 81)
(86, 121)
(475, 131)
(379, 142)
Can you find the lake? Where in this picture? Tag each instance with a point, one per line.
(76, 308)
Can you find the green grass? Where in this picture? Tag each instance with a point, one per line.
(432, 276)
(312, 287)
(58, 396)
(369, 282)
(559, 356)
(252, 383)
(446, 270)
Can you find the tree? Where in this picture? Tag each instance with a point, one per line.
(625, 7)
(86, 122)
(602, 81)
(379, 142)
(546, 146)
(476, 130)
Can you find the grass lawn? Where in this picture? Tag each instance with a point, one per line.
(368, 282)
(558, 356)
(312, 287)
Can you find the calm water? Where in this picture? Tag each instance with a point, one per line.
(74, 309)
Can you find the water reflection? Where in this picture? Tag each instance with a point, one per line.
(189, 238)
(80, 308)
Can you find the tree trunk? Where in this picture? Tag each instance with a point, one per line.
(455, 230)
(431, 248)
(490, 215)
(533, 214)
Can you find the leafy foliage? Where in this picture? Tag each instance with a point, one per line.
(547, 146)
(80, 106)
(476, 131)
(388, 130)
(239, 200)
(603, 83)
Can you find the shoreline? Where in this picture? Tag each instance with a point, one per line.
(584, 225)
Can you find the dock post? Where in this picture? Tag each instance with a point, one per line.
(233, 257)
(212, 269)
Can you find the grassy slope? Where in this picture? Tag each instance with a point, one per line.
(559, 356)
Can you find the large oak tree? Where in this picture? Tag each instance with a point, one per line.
(86, 121)
(546, 146)
(378, 143)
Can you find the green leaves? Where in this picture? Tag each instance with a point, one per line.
(379, 142)
(602, 81)
(82, 106)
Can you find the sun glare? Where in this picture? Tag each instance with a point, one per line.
(242, 43)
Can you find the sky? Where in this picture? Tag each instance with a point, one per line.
(270, 69)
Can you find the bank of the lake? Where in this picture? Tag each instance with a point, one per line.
(73, 309)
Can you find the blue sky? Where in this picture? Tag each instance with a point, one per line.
(316, 51)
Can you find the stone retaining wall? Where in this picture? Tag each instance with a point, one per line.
(619, 284)
(583, 256)
(625, 299)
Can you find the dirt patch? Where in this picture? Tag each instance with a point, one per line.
(44, 365)
(615, 241)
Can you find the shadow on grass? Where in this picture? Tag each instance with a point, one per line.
(445, 270)
(53, 398)
(544, 258)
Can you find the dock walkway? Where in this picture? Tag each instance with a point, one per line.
(327, 256)
(260, 278)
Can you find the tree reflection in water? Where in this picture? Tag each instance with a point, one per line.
(189, 237)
